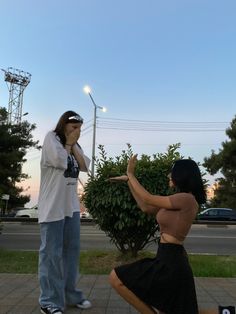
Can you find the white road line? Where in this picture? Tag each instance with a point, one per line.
(30, 233)
(102, 235)
(211, 237)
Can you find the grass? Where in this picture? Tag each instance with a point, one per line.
(101, 262)
(213, 266)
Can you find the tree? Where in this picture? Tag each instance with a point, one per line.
(225, 162)
(112, 204)
(15, 139)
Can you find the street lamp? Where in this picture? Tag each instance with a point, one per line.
(23, 115)
(87, 91)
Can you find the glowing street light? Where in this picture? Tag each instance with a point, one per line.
(87, 91)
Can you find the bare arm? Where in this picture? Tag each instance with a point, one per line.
(79, 158)
(144, 207)
(148, 200)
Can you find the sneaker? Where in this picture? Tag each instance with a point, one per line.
(50, 310)
(84, 304)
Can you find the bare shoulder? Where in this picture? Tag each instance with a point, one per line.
(179, 200)
(188, 196)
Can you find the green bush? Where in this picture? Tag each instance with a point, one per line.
(112, 204)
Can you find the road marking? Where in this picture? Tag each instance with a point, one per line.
(31, 233)
(104, 235)
(211, 237)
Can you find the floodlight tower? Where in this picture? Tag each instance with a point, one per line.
(17, 81)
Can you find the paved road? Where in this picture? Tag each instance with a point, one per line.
(202, 238)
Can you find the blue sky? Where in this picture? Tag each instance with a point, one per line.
(147, 60)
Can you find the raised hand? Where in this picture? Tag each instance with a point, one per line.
(131, 164)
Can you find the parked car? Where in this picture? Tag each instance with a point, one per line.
(28, 212)
(84, 215)
(10, 212)
(217, 214)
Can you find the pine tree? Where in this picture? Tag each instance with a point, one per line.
(225, 162)
(15, 140)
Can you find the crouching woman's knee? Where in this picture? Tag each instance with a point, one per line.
(114, 280)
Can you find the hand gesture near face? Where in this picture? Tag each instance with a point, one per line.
(73, 136)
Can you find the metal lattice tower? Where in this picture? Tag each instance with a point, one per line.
(17, 81)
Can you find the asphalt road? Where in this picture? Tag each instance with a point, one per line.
(202, 238)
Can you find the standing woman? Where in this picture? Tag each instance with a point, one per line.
(59, 216)
(164, 284)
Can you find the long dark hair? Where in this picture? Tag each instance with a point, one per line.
(67, 117)
(186, 176)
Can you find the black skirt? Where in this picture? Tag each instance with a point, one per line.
(164, 282)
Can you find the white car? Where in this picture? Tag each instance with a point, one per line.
(28, 212)
(84, 215)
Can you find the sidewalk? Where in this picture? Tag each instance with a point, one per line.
(19, 294)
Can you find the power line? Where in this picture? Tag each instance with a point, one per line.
(165, 126)
(162, 129)
(85, 133)
(157, 121)
(86, 122)
(89, 126)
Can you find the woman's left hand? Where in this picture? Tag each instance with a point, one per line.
(131, 165)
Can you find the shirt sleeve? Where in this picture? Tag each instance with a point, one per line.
(53, 153)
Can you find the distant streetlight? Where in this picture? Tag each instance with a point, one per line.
(87, 91)
(23, 115)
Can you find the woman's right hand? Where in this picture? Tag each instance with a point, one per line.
(73, 136)
(131, 165)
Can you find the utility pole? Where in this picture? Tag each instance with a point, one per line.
(87, 90)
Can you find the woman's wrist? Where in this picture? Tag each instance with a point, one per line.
(129, 176)
(68, 148)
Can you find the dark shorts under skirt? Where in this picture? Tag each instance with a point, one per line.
(164, 282)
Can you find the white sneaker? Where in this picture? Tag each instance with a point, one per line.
(49, 310)
(84, 304)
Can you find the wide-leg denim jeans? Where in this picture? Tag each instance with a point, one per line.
(58, 262)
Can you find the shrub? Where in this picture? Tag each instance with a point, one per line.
(112, 204)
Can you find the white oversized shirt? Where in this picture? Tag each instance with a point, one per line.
(58, 187)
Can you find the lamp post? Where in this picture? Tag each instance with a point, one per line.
(23, 115)
(87, 91)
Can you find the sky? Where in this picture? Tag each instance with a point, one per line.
(165, 71)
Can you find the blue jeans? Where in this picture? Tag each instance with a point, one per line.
(58, 262)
